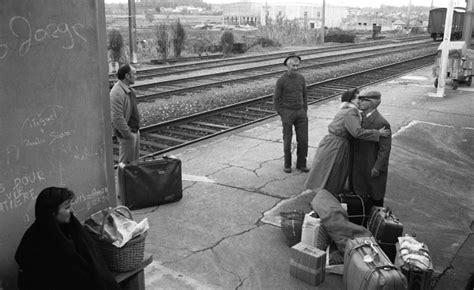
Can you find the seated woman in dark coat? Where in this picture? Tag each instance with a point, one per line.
(56, 253)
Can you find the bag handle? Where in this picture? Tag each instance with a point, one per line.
(120, 210)
(148, 157)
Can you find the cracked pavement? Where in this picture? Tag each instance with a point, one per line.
(224, 233)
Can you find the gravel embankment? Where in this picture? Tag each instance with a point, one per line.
(193, 102)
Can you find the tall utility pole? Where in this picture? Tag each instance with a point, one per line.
(409, 14)
(467, 34)
(266, 12)
(132, 29)
(443, 61)
(323, 20)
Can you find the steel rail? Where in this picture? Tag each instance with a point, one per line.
(333, 88)
(199, 65)
(169, 87)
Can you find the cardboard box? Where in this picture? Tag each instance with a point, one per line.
(308, 264)
(313, 233)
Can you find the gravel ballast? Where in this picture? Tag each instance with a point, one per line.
(185, 104)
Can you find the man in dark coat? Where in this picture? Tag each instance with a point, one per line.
(370, 159)
(291, 103)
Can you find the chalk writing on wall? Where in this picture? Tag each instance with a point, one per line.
(54, 113)
(86, 201)
(49, 128)
(26, 35)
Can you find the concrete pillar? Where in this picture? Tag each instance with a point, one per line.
(467, 30)
(443, 62)
(323, 21)
(132, 26)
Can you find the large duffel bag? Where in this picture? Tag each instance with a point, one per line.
(386, 228)
(367, 267)
(150, 182)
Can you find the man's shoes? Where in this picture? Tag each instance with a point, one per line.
(303, 168)
(287, 169)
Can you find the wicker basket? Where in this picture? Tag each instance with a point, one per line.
(126, 258)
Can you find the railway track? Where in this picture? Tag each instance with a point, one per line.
(215, 62)
(160, 89)
(166, 136)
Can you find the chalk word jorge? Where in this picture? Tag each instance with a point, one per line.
(21, 29)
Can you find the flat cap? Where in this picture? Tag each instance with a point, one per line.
(371, 95)
(290, 56)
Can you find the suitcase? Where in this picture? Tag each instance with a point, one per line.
(386, 229)
(358, 207)
(419, 275)
(150, 182)
(367, 267)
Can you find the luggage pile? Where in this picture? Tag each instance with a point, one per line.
(376, 254)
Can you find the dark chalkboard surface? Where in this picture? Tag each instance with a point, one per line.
(54, 112)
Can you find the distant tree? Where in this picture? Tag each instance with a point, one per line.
(162, 41)
(227, 42)
(179, 36)
(115, 45)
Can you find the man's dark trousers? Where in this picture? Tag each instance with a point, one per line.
(299, 119)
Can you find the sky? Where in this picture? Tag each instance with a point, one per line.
(351, 3)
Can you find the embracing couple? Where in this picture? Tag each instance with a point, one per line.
(356, 150)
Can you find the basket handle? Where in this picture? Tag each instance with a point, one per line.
(120, 210)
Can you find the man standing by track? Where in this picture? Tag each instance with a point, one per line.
(291, 103)
(368, 176)
(125, 116)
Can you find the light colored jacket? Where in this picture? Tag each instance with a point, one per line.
(121, 110)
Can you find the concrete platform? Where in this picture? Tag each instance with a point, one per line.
(225, 234)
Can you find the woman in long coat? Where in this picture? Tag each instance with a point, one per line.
(56, 253)
(330, 167)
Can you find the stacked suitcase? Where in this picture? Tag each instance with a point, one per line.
(386, 229)
(367, 267)
(380, 221)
